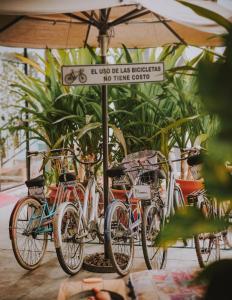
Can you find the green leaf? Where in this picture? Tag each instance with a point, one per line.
(127, 53)
(30, 62)
(87, 128)
(185, 223)
(120, 137)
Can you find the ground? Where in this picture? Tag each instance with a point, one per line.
(44, 282)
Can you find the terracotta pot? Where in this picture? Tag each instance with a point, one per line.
(189, 186)
(52, 194)
(121, 195)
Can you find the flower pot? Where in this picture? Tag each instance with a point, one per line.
(52, 194)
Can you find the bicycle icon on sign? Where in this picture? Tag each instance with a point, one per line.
(73, 75)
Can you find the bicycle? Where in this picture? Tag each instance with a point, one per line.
(31, 221)
(121, 226)
(207, 245)
(73, 224)
(73, 75)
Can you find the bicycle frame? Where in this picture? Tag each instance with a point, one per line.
(172, 196)
(47, 214)
(90, 190)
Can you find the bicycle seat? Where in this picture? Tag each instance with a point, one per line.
(37, 181)
(67, 177)
(116, 171)
(195, 160)
(152, 176)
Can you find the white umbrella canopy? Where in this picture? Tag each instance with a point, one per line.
(137, 24)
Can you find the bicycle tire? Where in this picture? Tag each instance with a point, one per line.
(30, 241)
(65, 233)
(156, 259)
(225, 213)
(118, 218)
(82, 78)
(69, 79)
(207, 245)
(101, 215)
(228, 237)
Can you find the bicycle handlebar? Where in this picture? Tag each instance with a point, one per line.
(91, 162)
(140, 161)
(46, 153)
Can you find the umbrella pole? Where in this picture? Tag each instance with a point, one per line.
(28, 160)
(103, 43)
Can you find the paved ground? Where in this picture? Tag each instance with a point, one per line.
(44, 282)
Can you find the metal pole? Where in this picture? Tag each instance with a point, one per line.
(103, 43)
(28, 162)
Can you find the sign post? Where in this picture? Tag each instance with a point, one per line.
(109, 75)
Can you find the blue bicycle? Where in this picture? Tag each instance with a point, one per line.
(31, 222)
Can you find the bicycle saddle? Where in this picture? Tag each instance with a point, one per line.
(116, 171)
(195, 160)
(67, 177)
(37, 181)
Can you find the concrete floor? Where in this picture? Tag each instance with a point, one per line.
(44, 282)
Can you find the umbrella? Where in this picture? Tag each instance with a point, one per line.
(137, 24)
(73, 23)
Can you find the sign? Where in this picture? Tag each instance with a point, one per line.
(112, 74)
(142, 192)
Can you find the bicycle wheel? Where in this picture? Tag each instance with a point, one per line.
(207, 248)
(120, 242)
(82, 77)
(100, 213)
(227, 235)
(68, 229)
(28, 244)
(155, 257)
(69, 78)
(80, 193)
(226, 214)
(207, 245)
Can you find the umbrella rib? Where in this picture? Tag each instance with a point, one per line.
(88, 30)
(134, 17)
(91, 18)
(171, 29)
(130, 15)
(82, 19)
(11, 24)
(108, 14)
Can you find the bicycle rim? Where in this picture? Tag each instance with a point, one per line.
(120, 242)
(207, 248)
(155, 257)
(228, 237)
(100, 214)
(28, 246)
(68, 228)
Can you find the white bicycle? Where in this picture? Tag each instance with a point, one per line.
(78, 223)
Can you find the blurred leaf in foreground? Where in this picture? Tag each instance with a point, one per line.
(187, 222)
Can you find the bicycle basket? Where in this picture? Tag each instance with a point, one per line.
(130, 162)
(121, 181)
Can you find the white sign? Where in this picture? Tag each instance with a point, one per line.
(142, 192)
(112, 74)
